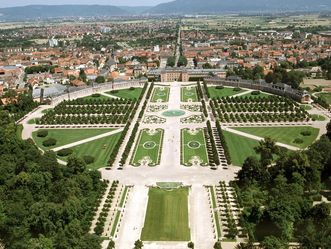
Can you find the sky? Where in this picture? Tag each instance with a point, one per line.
(10, 3)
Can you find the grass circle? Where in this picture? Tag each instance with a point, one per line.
(194, 145)
(149, 145)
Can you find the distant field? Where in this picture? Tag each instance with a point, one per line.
(160, 94)
(193, 147)
(189, 94)
(225, 92)
(285, 135)
(312, 83)
(149, 147)
(67, 136)
(167, 217)
(127, 93)
(100, 149)
(240, 147)
(326, 97)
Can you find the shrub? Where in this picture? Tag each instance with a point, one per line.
(306, 133)
(65, 152)
(114, 91)
(132, 88)
(220, 87)
(96, 95)
(237, 89)
(49, 142)
(88, 159)
(298, 141)
(43, 133)
(256, 93)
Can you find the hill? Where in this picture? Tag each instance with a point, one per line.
(33, 12)
(239, 6)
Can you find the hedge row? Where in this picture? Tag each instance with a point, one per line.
(213, 144)
(224, 143)
(129, 144)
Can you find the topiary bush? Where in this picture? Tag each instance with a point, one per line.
(256, 93)
(237, 89)
(132, 88)
(49, 142)
(65, 152)
(306, 133)
(220, 87)
(298, 141)
(42, 133)
(88, 159)
(96, 95)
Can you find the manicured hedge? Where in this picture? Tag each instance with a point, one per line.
(65, 152)
(42, 133)
(49, 142)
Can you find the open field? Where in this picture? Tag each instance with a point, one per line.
(99, 149)
(326, 97)
(240, 147)
(127, 93)
(189, 94)
(193, 147)
(225, 92)
(67, 136)
(313, 83)
(285, 135)
(148, 148)
(167, 217)
(160, 94)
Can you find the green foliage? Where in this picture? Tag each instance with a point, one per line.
(44, 204)
(42, 133)
(100, 79)
(65, 152)
(49, 142)
(182, 61)
(171, 61)
(88, 159)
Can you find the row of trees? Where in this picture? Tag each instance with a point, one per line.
(223, 142)
(214, 154)
(261, 117)
(44, 204)
(278, 197)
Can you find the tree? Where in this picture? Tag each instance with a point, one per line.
(171, 61)
(76, 165)
(100, 79)
(218, 245)
(328, 128)
(41, 243)
(190, 245)
(82, 75)
(267, 148)
(272, 242)
(138, 244)
(182, 61)
(251, 171)
(111, 244)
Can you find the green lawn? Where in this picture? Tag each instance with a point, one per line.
(285, 135)
(148, 147)
(100, 149)
(193, 147)
(67, 136)
(167, 217)
(225, 92)
(127, 93)
(160, 94)
(189, 93)
(326, 97)
(261, 95)
(240, 147)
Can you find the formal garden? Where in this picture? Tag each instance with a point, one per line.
(160, 94)
(148, 148)
(167, 215)
(193, 147)
(189, 94)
